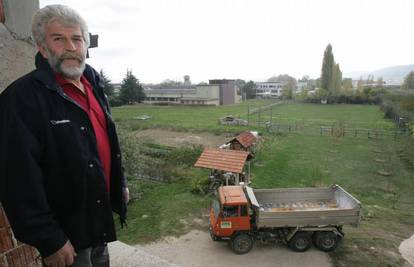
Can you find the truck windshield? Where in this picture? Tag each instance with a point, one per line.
(216, 208)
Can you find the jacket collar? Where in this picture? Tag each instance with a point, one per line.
(45, 74)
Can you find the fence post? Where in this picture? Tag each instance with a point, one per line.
(248, 114)
(271, 114)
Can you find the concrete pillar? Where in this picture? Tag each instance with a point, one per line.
(16, 48)
(18, 16)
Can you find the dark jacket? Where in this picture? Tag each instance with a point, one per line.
(52, 183)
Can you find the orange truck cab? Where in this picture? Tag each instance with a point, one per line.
(229, 214)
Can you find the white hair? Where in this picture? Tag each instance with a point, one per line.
(64, 15)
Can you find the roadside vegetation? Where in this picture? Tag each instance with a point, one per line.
(371, 167)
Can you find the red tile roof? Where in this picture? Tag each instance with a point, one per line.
(222, 159)
(246, 139)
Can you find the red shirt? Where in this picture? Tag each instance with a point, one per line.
(96, 115)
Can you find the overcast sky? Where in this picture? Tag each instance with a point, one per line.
(247, 39)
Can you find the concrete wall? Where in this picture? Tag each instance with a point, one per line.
(16, 47)
(228, 93)
(16, 58)
(208, 91)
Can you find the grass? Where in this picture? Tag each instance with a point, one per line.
(164, 209)
(183, 118)
(300, 160)
(297, 159)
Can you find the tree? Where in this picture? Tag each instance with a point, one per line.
(380, 82)
(131, 90)
(288, 89)
(331, 75)
(108, 87)
(409, 81)
(347, 86)
(249, 89)
(305, 78)
(336, 80)
(327, 69)
(280, 78)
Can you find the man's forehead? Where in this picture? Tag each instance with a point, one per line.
(57, 27)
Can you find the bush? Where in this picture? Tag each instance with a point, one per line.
(185, 155)
(153, 161)
(115, 101)
(200, 185)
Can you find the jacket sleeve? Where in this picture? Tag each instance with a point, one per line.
(21, 176)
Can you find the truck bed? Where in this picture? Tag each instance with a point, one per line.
(301, 207)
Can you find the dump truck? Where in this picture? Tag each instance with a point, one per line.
(297, 217)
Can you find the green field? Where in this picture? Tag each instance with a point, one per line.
(369, 168)
(182, 118)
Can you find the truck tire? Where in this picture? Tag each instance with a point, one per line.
(241, 243)
(300, 242)
(326, 241)
(212, 235)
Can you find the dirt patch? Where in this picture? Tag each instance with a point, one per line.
(196, 249)
(179, 139)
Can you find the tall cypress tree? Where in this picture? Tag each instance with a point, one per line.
(337, 80)
(328, 65)
(331, 75)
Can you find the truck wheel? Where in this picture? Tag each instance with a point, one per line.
(326, 241)
(241, 243)
(300, 242)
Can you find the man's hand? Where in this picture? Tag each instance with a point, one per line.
(63, 257)
(126, 194)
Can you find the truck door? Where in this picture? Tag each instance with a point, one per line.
(235, 218)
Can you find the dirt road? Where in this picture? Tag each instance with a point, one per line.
(197, 249)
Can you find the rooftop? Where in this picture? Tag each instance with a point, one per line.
(223, 159)
(246, 139)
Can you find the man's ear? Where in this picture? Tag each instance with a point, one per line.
(42, 50)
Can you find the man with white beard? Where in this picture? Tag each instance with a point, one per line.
(60, 162)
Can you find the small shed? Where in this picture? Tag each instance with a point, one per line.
(222, 161)
(243, 141)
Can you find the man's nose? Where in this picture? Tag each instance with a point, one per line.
(70, 45)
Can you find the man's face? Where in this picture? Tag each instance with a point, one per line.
(64, 49)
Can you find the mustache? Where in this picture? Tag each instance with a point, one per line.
(69, 55)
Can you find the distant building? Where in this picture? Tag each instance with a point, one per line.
(301, 85)
(217, 92)
(269, 89)
(228, 91)
(194, 95)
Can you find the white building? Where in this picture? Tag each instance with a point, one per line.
(195, 95)
(269, 89)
